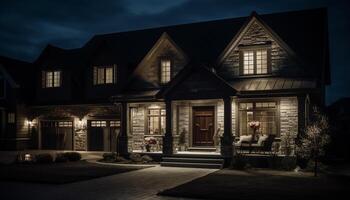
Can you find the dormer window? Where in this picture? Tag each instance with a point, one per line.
(165, 71)
(255, 62)
(51, 79)
(104, 74)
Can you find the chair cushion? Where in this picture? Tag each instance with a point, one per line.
(262, 138)
(244, 138)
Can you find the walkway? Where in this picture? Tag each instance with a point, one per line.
(140, 184)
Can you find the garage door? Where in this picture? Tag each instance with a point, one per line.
(102, 135)
(57, 135)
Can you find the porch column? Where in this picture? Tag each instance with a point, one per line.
(227, 139)
(123, 136)
(168, 138)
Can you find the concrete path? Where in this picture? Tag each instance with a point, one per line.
(139, 184)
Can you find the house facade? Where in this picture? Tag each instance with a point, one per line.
(183, 88)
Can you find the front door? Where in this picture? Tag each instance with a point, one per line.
(203, 126)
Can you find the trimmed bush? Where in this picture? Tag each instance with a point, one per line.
(239, 162)
(135, 157)
(288, 163)
(146, 159)
(72, 156)
(109, 157)
(61, 157)
(44, 158)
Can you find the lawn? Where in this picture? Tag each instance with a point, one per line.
(60, 173)
(261, 184)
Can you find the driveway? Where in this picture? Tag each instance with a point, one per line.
(140, 184)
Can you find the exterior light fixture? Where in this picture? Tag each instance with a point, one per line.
(28, 157)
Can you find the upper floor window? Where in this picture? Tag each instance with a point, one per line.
(255, 62)
(165, 71)
(51, 79)
(104, 74)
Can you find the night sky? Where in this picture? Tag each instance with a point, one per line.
(27, 26)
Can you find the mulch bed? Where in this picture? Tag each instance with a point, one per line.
(247, 185)
(60, 173)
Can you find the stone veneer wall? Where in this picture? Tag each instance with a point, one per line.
(288, 123)
(137, 131)
(137, 128)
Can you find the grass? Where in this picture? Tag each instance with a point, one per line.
(261, 184)
(60, 173)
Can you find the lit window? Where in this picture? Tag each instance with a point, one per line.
(114, 123)
(98, 123)
(248, 62)
(104, 75)
(263, 112)
(255, 62)
(165, 71)
(65, 124)
(51, 79)
(11, 118)
(156, 121)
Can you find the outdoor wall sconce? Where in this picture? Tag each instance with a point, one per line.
(28, 157)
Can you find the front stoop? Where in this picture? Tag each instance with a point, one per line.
(194, 161)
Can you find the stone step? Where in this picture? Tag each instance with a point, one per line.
(192, 165)
(193, 160)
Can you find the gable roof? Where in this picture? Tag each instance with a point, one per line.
(305, 32)
(197, 81)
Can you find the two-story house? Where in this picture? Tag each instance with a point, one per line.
(191, 87)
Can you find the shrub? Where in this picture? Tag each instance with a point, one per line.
(146, 159)
(135, 157)
(120, 159)
(110, 157)
(43, 158)
(288, 163)
(61, 157)
(239, 162)
(72, 156)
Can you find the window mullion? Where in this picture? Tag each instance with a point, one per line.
(254, 61)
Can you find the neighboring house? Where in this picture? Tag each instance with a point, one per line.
(16, 92)
(194, 81)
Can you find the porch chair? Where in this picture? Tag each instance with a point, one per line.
(243, 142)
(264, 144)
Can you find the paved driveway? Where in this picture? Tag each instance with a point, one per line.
(140, 184)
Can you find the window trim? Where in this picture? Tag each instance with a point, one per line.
(160, 70)
(254, 49)
(159, 121)
(44, 78)
(254, 101)
(104, 67)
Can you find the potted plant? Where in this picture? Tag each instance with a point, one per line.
(148, 142)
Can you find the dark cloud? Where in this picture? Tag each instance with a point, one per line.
(28, 26)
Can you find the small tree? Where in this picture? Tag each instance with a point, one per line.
(312, 144)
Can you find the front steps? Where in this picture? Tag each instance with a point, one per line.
(196, 161)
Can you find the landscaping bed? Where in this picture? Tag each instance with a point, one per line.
(257, 184)
(60, 173)
(133, 158)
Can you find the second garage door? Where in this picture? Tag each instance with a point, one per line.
(102, 135)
